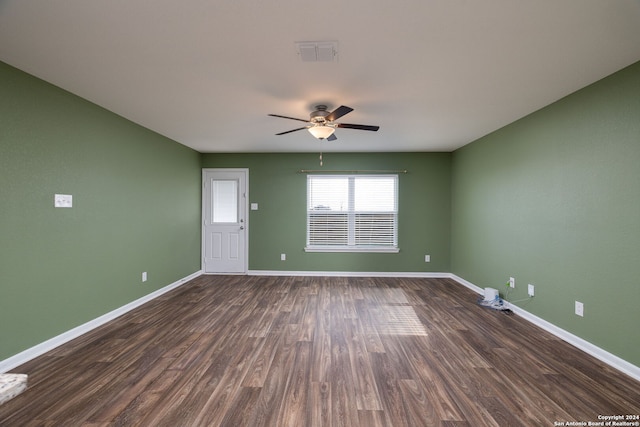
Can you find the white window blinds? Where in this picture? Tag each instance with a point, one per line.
(352, 213)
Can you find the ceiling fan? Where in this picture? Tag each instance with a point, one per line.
(321, 122)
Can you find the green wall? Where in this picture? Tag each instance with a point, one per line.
(136, 207)
(279, 226)
(554, 200)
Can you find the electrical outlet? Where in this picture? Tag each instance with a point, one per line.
(512, 282)
(427, 258)
(144, 276)
(579, 309)
(283, 257)
(530, 290)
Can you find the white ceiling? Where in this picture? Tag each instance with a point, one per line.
(433, 74)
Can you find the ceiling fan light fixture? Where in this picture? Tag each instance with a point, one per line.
(321, 131)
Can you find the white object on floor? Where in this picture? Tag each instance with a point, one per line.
(490, 294)
(11, 385)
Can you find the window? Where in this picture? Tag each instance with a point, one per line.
(224, 200)
(357, 213)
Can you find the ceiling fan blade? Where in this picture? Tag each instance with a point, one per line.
(332, 137)
(338, 112)
(285, 117)
(359, 127)
(292, 130)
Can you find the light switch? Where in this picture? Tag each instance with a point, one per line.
(254, 206)
(63, 201)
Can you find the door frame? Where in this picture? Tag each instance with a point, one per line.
(245, 171)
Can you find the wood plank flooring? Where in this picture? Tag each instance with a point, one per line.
(318, 351)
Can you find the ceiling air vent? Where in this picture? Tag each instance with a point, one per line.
(317, 51)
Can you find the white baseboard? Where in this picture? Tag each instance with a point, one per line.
(595, 351)
(476, 289)
(39, 349)
(418, 274)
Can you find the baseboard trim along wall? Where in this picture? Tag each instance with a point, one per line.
(418, 274)
(595, 351)
(50, 344)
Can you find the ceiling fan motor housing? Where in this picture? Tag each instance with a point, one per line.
(319, 116)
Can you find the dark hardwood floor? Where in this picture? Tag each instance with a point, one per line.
(311, 351)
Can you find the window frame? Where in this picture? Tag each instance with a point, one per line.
(352, 214)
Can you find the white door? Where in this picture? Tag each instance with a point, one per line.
(224, 230)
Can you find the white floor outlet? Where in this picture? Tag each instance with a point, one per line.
(144, 276)
(530, 290)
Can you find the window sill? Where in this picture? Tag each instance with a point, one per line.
(373, 249)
